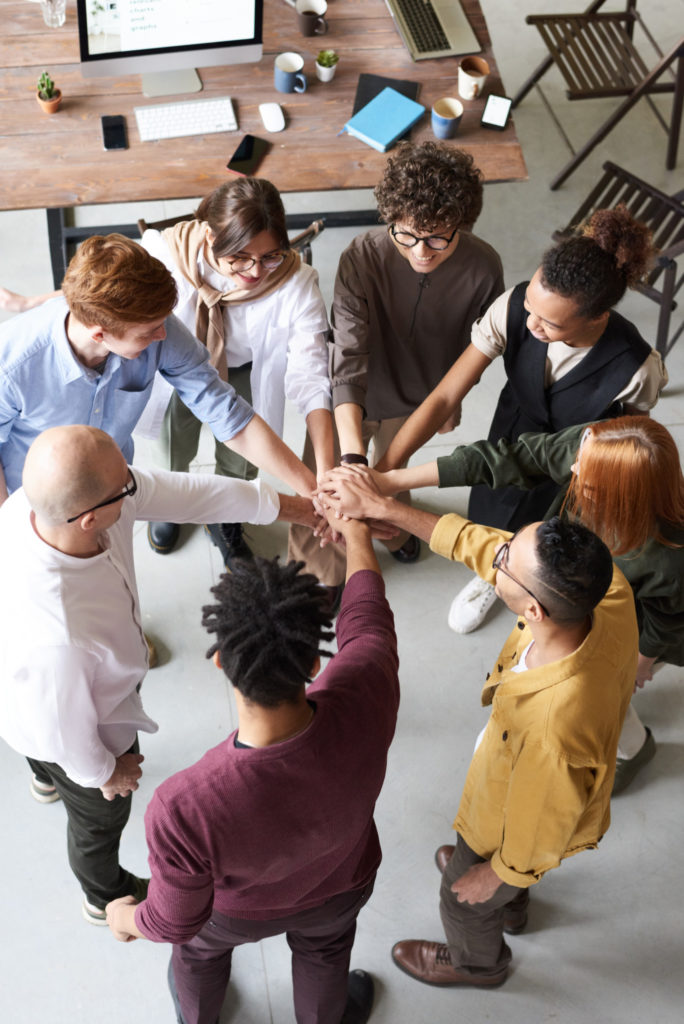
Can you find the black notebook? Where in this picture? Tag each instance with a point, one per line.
(370, 85)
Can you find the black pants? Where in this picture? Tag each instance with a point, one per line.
(94, 827)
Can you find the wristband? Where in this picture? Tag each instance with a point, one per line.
(353, 457)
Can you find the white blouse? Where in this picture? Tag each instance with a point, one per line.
(284, 336)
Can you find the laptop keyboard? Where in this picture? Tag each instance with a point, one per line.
(423, 24)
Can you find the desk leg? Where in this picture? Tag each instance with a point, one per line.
(57, 243)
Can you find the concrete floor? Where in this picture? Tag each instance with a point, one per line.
(604, 943)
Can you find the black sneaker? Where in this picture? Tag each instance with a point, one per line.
(230, 541)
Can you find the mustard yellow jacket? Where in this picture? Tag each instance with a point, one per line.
(538, 787)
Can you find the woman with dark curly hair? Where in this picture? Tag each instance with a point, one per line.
(569, 358)
(406, 297)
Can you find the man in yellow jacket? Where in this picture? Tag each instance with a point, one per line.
(538, 787)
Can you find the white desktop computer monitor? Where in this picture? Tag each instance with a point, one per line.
(165, 40)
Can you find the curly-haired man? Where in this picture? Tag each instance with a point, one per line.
(406, 296)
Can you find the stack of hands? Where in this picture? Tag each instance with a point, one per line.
(352, 492)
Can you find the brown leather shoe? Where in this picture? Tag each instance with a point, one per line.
(514, 920)
(430, 963)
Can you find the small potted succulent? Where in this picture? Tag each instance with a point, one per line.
(325, 65)
(47, 95)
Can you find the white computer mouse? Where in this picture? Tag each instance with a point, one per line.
(272, 116)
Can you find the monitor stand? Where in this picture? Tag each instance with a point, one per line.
(171, 83)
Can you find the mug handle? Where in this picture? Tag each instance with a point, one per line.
(300, 82)
(321, 26)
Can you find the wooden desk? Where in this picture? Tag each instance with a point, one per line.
(58, 160)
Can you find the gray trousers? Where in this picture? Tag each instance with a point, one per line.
(180, 435)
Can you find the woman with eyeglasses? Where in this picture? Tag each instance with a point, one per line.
(249, 298)
(569, 357)
(622, 478)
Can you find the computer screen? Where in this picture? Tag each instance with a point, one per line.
(161, 37)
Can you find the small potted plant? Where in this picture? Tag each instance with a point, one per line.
(47, 95)
(325, 65)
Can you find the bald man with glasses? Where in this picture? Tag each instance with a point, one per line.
(73, 650)
(539, 784)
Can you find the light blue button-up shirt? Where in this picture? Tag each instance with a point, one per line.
(43, 384)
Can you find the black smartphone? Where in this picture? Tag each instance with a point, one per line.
(248, 155)
(114, 132)
(496, 111)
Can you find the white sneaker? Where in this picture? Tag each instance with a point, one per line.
(470, 606)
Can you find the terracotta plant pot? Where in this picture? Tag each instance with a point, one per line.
(52, 105)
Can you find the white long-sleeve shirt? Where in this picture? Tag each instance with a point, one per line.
(283, 334)
(72, 649)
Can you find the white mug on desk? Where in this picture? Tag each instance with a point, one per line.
(472, 75)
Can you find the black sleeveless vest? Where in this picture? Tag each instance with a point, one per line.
(586, 393)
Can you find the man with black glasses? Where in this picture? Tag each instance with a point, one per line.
(406, 297)
(73, 650)
(539, 784)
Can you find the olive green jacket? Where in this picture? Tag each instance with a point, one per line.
(655, 571)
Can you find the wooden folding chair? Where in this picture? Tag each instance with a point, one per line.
(664, 215)
(301, 242)
(595, 53)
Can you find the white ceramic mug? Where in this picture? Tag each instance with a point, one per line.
(472, 75)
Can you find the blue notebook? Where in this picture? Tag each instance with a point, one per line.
(384, 119)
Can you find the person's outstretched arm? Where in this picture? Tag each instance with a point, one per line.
(436, 409)
(258, 443)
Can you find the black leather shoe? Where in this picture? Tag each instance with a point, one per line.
(360, 995)
(229, 540)
(163, 536)
(408, 552)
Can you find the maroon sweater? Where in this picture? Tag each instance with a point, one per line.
(264, 832)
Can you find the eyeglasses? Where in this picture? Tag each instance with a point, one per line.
(500, 558)
(438, 242)
(239, 264)
(128, 492)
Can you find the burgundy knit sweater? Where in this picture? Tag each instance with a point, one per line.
(264, 832)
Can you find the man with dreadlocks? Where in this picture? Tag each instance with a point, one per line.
(272, 831)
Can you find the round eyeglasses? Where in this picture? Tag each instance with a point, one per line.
(128, 492)
(240, 264)
(437, 242)
(500, 560)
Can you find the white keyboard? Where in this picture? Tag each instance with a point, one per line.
(189, 117)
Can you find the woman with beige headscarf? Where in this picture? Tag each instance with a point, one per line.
(248, 297)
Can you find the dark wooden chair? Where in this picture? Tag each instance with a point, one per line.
(664, 215)
(300, 242)
(596, 55)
